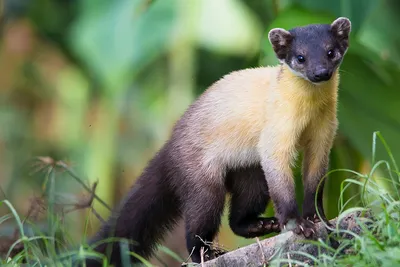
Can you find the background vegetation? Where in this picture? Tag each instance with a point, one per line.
(99, 85)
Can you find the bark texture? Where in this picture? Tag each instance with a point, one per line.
(285, 244)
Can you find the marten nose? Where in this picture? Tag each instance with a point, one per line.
(322, 75)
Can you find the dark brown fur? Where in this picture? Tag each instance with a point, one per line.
(163, 195)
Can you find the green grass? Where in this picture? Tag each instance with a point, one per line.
(377, 245)
(379, 241)
(54, 247)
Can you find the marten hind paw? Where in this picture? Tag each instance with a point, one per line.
(256, 227)
(270, 224)
(219, 252)
(265, 226)
(213, 253)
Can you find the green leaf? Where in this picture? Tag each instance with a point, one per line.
(380, 34)
(123, 38)
(215, 27)
(356, 10)
(369, 102)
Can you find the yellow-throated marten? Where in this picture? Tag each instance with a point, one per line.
(241, 136)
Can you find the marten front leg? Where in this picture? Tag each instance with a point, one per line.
(277, 155)
(315, 166)
(249, 200)
(313, 188)
(282, 192)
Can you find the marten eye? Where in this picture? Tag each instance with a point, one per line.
(331, 54)
(301, 59)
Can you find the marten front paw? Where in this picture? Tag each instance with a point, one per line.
(314, 218)
(304, 227)
(300, 226)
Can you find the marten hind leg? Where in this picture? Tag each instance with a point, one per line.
(250, 197)
(204, 205)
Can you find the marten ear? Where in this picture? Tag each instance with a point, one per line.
(341, 28)
(281, 40)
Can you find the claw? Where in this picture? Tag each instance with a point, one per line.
(303, 227)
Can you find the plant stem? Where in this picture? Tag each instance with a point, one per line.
(76, 177)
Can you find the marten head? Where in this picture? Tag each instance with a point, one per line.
(312, 52)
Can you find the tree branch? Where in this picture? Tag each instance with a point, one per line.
(286, 243)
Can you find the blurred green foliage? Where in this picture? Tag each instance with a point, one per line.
(101, 83)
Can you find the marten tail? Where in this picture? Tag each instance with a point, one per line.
(150, 209)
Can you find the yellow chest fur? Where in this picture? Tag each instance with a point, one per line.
(241, 105)
(300, 104)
